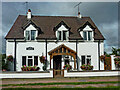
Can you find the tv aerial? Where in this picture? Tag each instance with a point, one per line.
(77, 6)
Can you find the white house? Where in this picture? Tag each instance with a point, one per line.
(61, 39)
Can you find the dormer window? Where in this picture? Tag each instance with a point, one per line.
(87, 35)
(62, 35)
(30, 34)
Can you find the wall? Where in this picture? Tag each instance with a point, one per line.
(113, 63)
(84, 48)
(90, 74)
(91, 48)
(10, 51)
(28, 75)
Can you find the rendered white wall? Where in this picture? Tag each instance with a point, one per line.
(28, 75)
(90, 74)
(10, 51)
(112, 62)
(84, 48)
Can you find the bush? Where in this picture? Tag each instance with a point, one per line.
(86, 67)
(30, 68)
(117, 61)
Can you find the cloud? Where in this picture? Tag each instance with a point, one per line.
(104, 14)
(110, 32)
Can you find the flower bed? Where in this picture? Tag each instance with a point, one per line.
(86, 67)
(30, 68)
(67, 67)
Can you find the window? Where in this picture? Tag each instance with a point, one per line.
(62, 35)
(66, 62)
(86, 59)
(30, 35)
(29, 60)
(30, 63)
(87, 35)
(83, 59)
(27, 35)
(33, 34)
(35, 60)
(59, 35)
(23, 60)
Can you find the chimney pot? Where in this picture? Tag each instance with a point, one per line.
(29, 14)
(79, 15)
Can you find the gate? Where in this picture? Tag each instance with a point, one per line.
(58, 73)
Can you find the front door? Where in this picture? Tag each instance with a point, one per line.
(57, 65)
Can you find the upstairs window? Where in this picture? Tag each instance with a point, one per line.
(62, 35)
(30, 35)
(59, 35)
(87, 35)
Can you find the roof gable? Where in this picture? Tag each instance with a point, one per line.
(62, 24)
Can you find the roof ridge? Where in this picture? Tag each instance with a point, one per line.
(55, 16)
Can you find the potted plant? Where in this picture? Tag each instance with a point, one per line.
(10, 58)
(86, 67)
(67, 67)
(42, 59)
(102, 57)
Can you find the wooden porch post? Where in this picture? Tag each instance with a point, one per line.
(74, 62)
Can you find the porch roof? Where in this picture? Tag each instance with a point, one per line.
(68, 50)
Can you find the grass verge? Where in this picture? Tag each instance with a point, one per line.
(62, 83)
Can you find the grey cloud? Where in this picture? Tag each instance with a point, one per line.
(104, 14)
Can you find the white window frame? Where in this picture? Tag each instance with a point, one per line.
(62, 30)
(87, 35)
(86, 57)
(30, 34)
(30, 58)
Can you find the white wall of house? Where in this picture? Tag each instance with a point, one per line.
(84, 48)
(10, 51)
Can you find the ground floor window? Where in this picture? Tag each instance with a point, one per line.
(86, 59)
(66, 62)
(29, 60)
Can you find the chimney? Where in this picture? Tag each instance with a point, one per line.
(79, 15)
(29, 14)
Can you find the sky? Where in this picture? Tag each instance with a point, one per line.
(103, 14)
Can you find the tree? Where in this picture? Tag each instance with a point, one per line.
(116, 51)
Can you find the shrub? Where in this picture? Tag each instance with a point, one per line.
(67, 67)
(117, 61)
(86, 67)
(30, 68)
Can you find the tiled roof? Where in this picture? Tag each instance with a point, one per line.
(47, 25)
